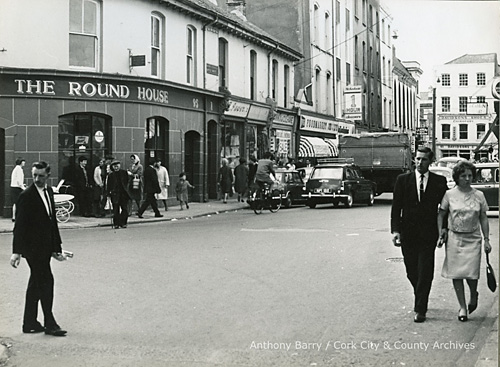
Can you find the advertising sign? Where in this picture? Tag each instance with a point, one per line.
(477, 108)
(353, 102)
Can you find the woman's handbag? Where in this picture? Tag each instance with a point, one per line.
(136, 182)
(490, 275)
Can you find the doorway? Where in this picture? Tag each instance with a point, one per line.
(193, 163)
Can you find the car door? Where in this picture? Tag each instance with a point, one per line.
(295, 185)
(351, 180)
(487, 182)
(364, 185)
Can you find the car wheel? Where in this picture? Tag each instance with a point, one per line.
(349, 201)
(371, 199)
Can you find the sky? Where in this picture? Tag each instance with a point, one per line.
(434, 32)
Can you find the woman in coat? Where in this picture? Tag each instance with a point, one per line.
(241, 178)
(135, 171)
(225, 179)
(466, 209)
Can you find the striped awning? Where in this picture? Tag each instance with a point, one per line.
(317, 147)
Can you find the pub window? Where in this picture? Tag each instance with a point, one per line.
(445, 131)
(84, 28)
(156, 44)
(191, 56)
(223, 63)
(463, 132)
(82, 134)
(156, 139)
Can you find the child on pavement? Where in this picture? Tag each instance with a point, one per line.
(182, 190)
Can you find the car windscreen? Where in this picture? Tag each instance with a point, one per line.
(327, 172)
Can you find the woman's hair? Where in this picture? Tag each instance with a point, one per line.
(19, 161)
(224, 162)
(243, 160)
(136, 157)
(182, 174)
(461, 167)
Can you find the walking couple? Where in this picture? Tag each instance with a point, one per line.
(425, 215)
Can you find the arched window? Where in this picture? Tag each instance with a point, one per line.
(157, 26)
(274, 80)
(191, 56)
(223, 72)
(253, 74)
(156, 139)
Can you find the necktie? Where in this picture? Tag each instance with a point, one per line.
(48, 201)
(421, 196)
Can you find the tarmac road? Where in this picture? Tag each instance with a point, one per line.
(302, 287)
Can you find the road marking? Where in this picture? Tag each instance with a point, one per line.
(283, 230)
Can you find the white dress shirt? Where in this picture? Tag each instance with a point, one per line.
(17, 177)
(426, 178)
(40, 192)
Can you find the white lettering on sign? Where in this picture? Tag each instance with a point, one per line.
(102, 90)
(151, 94)
(44, 87)
(315, 124)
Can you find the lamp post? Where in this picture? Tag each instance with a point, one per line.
(434, 117)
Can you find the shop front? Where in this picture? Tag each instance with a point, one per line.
(282, 141)
(61, 116)
(317, 137)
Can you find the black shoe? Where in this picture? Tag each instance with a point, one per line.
(55, 331)
(37, 328)
(473, 306)
(419, 317)
(124, 226)
(158, 215)
(187, 206)
(462, 318)
(140, 216)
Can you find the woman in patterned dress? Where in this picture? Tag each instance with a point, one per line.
(466, 209)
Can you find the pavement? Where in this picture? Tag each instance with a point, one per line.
(488, 356)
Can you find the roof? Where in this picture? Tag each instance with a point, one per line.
(475, 59)
(230, 20)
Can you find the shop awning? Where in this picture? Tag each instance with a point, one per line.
(317, 147)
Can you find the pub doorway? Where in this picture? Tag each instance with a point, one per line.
(212, 159)
(193, 164)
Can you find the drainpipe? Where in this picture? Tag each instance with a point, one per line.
(269, 83)
(205, 115)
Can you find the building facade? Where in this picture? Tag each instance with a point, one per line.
(465, 106)
(159, 79)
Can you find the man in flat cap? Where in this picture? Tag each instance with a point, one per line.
(117, 189)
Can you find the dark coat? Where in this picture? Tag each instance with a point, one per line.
(80, 182)
(417, 221)
(36, 234)
(151, 184)
(225, 179)
(117, 186)
(241, 178)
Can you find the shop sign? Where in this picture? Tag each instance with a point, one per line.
(465, 118)
(317, 124)
(258, 113)
(478, 108)
(67, 87)
(283, 118)
(237, 109)
(212, 69)
(99, 136)
(352, 102)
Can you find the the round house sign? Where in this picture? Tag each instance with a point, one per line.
(99, 136)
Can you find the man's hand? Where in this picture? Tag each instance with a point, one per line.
(14, 260)
(58, 256)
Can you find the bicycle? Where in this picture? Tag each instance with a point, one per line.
(264, 198)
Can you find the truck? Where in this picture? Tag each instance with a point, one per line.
(381, 156)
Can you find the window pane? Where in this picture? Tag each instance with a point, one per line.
(75, 16)
(155, 32)
(82, 50)
(154, 61)
(189, 63)
(90, 18)
(190, 42)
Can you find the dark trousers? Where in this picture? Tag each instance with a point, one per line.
(120, 212)
(419, 264)
(40, 288)
(150, 200)
(84, 198)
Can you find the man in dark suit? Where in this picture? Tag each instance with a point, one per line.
(151, 187)
(37, 238)
(117, 187)
(417, 196)
(83, 187)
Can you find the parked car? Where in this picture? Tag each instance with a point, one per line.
(305, 172)
(341, 182)
(445, 172)
(449, 162)
(487, 182)
(291, 186)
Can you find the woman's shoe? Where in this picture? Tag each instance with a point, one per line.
(462, 318)
(473, 306)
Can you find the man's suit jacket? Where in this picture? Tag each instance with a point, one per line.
(416, 220)
(117, 186)
(35, 232)
(151, 184)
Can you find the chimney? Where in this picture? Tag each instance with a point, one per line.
(238, 5)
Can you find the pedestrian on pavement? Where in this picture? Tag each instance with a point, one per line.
(135, 187)
(181, 189)
(241, 178)
(83, 187)
(225, 180)
(17, 184)
(417, 196)
(37, 239)
(151, 187)
(163, 181)
(252, 170)
(466, 210)
(98, 189)
(117, 190)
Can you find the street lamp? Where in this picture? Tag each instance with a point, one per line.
(434, 117)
